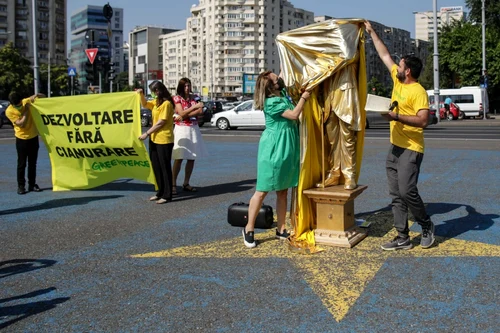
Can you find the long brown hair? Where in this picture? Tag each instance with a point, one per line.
(263, 88)
(182, 84)
(162, 93)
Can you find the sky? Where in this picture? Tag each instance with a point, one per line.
(173, 13)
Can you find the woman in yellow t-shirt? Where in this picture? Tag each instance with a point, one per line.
(161, 140)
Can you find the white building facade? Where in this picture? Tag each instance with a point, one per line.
(226, 39)
(424, 21)
(146, 55)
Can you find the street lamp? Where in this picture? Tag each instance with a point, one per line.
(35, 47)
(435, 57)
(483, 32)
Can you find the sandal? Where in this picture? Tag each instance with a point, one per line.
(174, 190)
(189, 188)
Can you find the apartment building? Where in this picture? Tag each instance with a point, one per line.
(176, 60)
(225, 39)
(398, 43)
(87, 23)
(146, 56)
(424, 21)
(16, 26)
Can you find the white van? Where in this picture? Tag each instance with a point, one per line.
(469, 99)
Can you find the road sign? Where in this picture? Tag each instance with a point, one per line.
(91, 54)
(72, 71)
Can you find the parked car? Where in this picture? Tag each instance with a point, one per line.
(213, 106)
(3, 118)
(376, 119)
(243, 115)
(205, 117)
(146, 117)
(470, 100)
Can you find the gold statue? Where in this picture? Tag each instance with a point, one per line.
(327, 59)
(342, 117)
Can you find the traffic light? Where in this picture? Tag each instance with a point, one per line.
(111, 71)
(89, 70)
(76, 86)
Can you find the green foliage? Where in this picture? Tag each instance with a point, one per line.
(491, 9)
(16, 72)
(460, 50)
(122, 80)
(376, 88)
(59, 80)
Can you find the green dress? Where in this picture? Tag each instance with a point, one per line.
(279, 150)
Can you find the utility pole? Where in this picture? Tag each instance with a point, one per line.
(436, 61)
(35, 48)
(48, 79)
(107, 11)
(483, 31)
(211, 71)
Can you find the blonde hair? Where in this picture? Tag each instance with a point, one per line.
(263, 88)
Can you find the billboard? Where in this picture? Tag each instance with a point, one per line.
(249, 81)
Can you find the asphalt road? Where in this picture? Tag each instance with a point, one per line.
(108, 260)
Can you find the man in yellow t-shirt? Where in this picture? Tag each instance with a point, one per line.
(408, 119)
(27, 144)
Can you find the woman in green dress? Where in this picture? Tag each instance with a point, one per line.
(279, 151)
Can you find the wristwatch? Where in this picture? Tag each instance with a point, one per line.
(397, 117)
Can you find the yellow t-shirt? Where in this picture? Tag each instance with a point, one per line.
(165, 111)
(29, 130)
(411, 98)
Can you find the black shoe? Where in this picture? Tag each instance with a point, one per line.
(282, 236)
(398, 243)
(34, 188)
(21, 190)
(248, 239)
(427, 236)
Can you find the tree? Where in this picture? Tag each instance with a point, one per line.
(59, 80)
(15, 72)
(122, 80)
(491, 12)
(460, 52)
(376, 88)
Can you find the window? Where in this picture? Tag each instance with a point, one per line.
(141, 59)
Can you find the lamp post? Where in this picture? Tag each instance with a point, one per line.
(35, 48)
(483, 33)
(435, 57)
(436, 60)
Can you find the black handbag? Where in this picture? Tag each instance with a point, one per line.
(237, 216)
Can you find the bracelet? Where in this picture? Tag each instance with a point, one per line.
(303, 98)
(397, 117)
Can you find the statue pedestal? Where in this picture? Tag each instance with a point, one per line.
(335, 223)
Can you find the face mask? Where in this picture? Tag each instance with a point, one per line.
(281, 84)
(153, 95)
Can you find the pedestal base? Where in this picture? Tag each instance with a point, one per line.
(335, 223)
(347, 238)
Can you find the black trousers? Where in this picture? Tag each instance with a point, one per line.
(27, 151)
(403, 168)
(161, 155)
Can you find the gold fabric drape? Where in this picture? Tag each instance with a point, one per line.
(310, 56)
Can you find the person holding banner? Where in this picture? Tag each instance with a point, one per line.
(27, 144)
(161, 140)
(278, 160)
(188, 144)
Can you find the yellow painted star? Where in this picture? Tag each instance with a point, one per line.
(337, 275)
